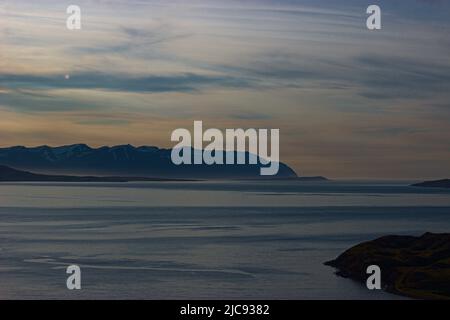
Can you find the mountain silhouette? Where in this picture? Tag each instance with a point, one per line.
(124, 160)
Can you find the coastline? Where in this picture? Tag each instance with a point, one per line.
(414, 267)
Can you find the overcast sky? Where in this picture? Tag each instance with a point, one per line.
(349, 102)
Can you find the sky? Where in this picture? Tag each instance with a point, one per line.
(349, 102)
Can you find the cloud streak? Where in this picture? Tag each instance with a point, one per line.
(187, 82)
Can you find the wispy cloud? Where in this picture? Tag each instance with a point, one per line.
(387, 77)
(341, 95)
(153, 83)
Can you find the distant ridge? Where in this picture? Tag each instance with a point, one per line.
(8, 174)
(123, 160)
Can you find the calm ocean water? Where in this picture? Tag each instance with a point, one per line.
(262, 240)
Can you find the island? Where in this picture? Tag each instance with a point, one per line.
(313, 179)
(415, 267)
(444, 183)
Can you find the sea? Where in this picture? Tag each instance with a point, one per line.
(201, 240)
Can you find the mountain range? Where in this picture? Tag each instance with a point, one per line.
(123, 160)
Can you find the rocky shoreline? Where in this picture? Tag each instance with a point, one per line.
(415, 267)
